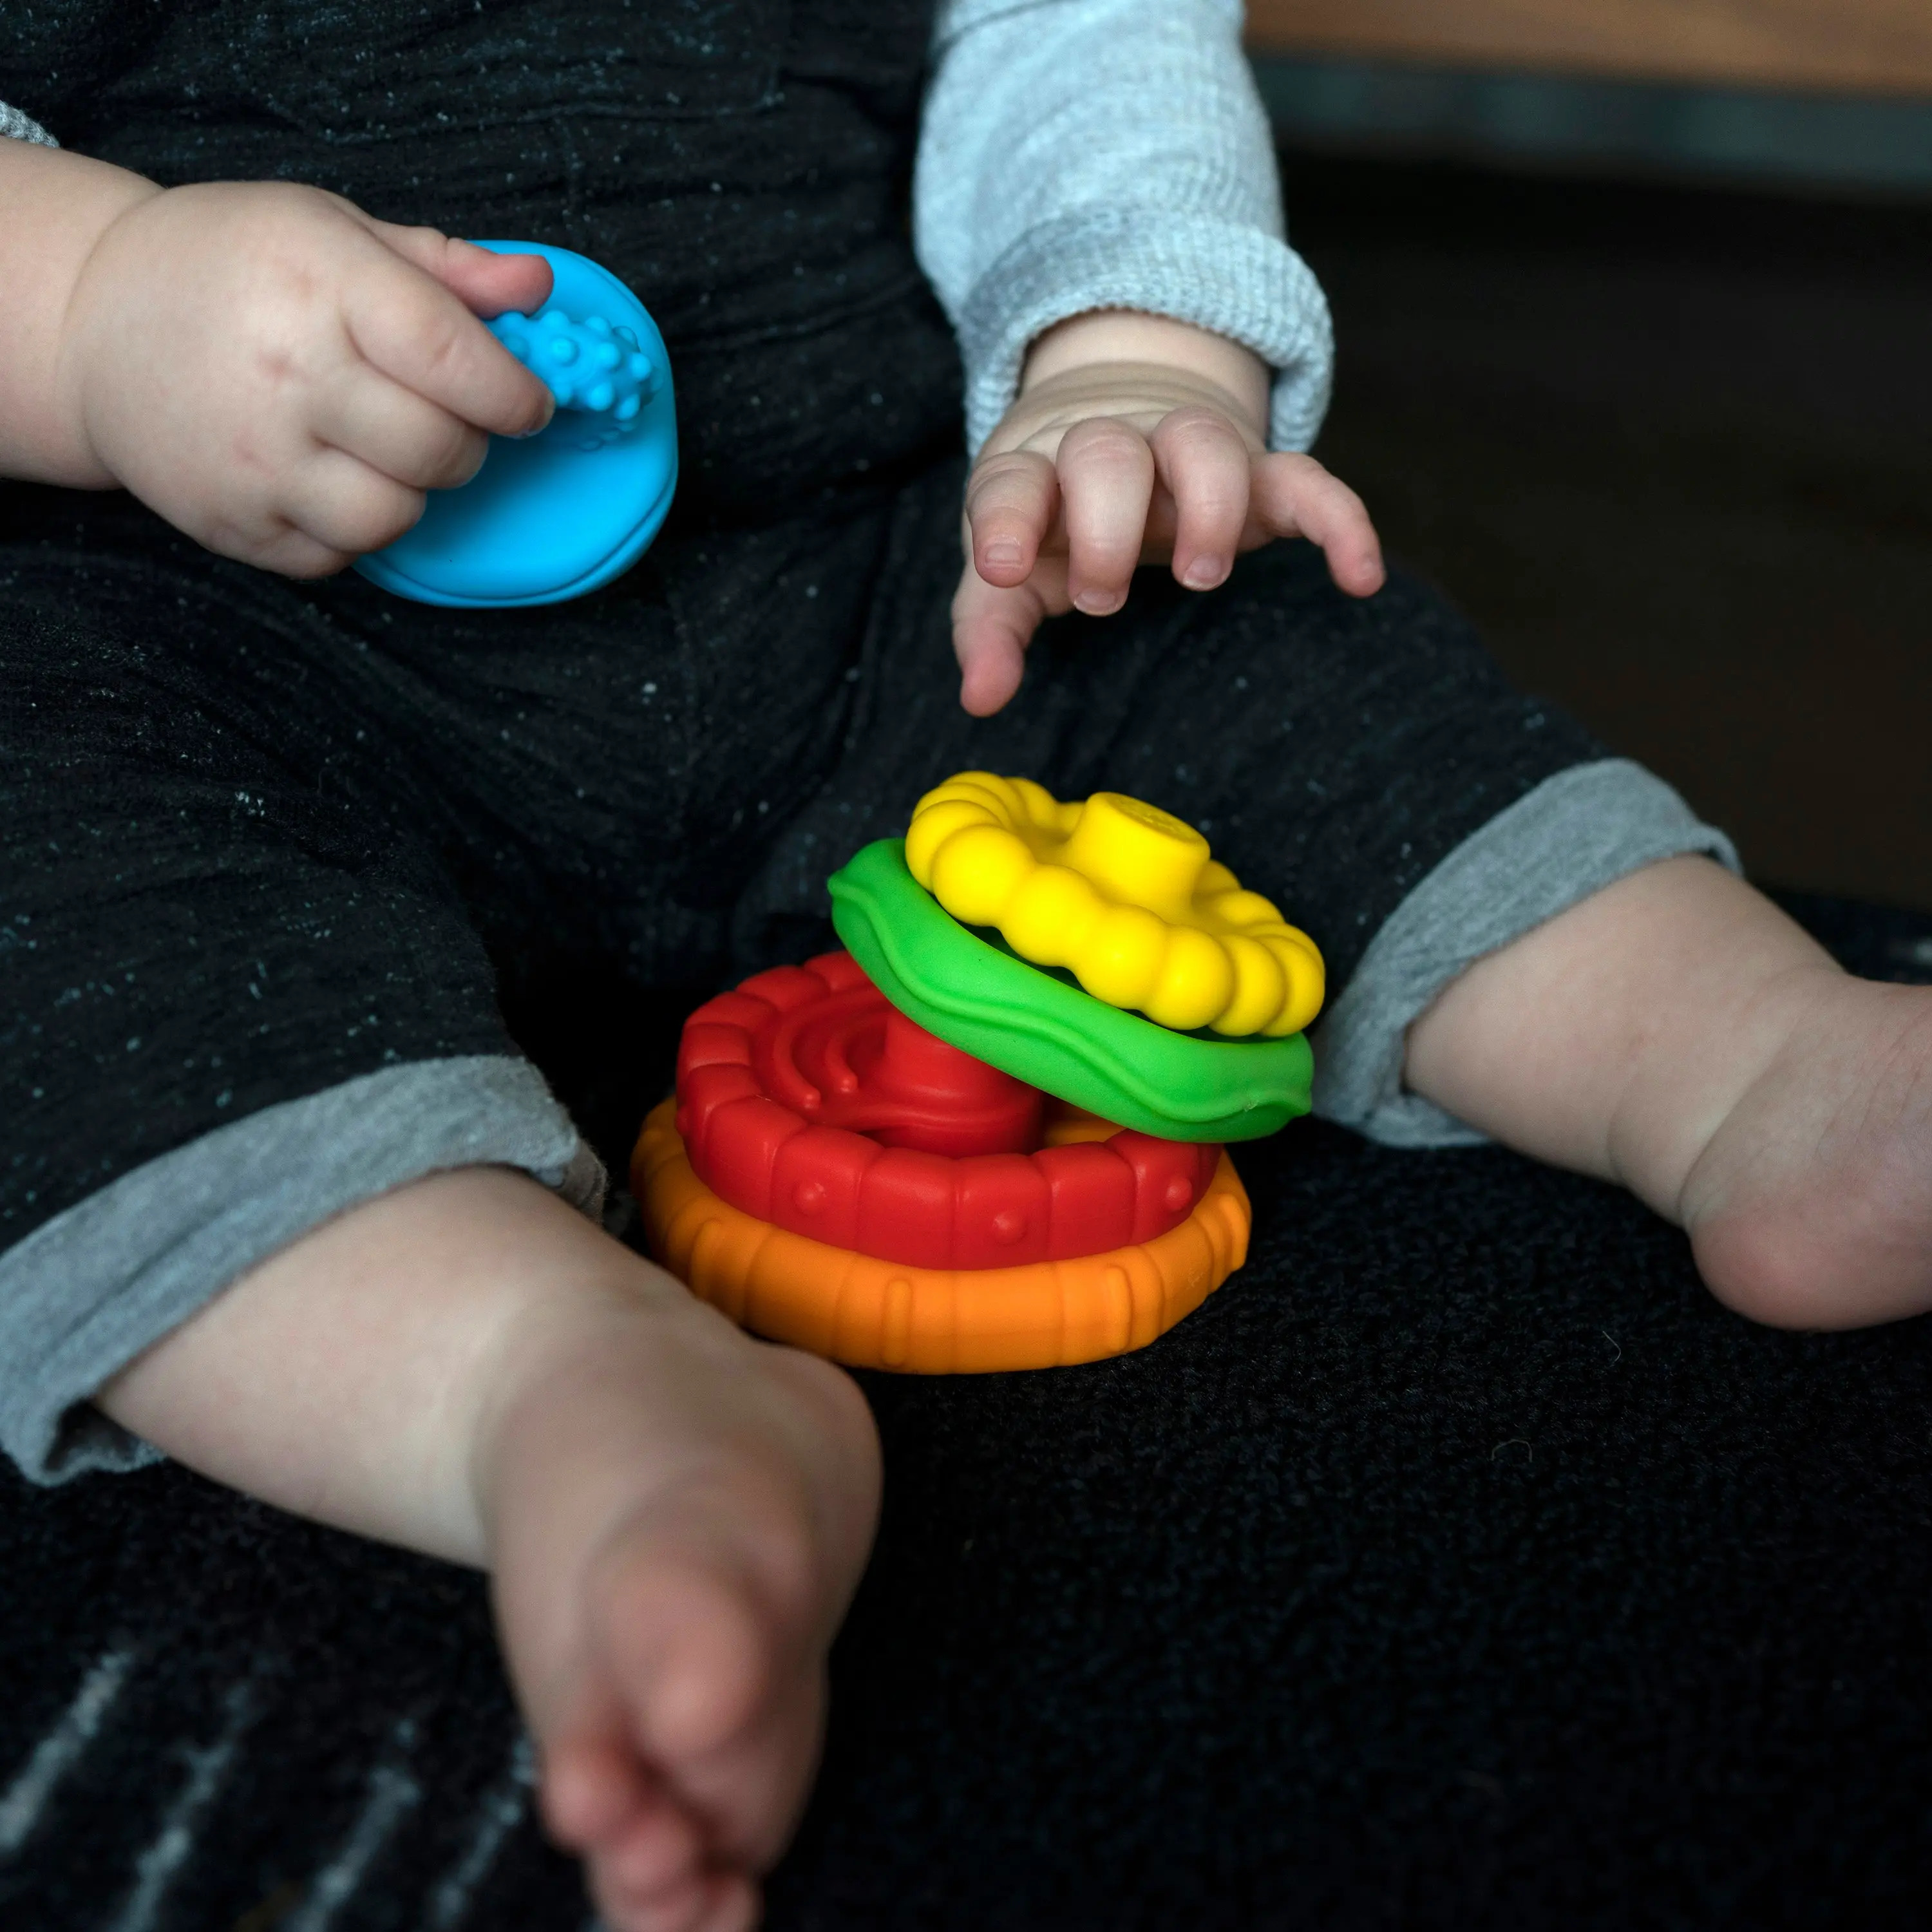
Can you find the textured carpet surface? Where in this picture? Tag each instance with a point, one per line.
(1460, 1564)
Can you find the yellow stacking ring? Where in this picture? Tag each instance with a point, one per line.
(1123, 896)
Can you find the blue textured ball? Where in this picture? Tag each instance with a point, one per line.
(594, 367)
(559, 514)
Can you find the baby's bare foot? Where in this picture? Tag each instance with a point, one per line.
(1811, 1205)
(680, 1517)
(676, 1515)
(1677, 1033)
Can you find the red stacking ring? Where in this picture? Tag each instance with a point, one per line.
(806, 1098)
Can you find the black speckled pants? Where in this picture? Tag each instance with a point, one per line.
(260, 839)
(295, 880)
(276, 862)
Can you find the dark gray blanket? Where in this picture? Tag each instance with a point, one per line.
(1460, 1563)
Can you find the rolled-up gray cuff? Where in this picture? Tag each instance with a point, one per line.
(15, 126)
(1237, 280)
(1573, 835)
(84, 1293)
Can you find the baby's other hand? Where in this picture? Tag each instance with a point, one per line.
(282, 376)
(1134, 440)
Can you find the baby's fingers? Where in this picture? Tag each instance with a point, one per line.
(1011, 502)
(347, 508)
(1106, 484)
(992, 626)
(1293, 496)
(397, 432)
(1205, 467)
(417, 333)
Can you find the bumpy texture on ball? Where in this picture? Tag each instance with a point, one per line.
(590, 366)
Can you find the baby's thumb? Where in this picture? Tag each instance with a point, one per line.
(484, 282)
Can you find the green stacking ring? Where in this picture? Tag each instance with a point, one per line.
(1040, 1029)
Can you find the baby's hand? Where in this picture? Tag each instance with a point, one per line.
(282, 376)
(1134, 440)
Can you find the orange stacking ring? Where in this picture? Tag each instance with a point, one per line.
(885, 1315)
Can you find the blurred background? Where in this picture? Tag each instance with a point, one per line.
(1634, 300)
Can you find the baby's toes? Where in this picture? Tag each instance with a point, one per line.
(693, 1651)
(700, 1902)
(593, 1787)
(750, 1793)
(657, 1850)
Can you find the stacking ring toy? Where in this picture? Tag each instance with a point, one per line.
(871, 1313)
(881, 1156)
(1037, 1028)
(1123, 894)
(806, 1100)
(560, 514)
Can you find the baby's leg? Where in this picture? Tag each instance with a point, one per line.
(675, 1516)
(250, 1008)
(1677, 1033)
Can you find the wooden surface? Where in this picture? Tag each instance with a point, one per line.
(1843, 46)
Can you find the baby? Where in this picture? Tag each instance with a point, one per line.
(445, 1351)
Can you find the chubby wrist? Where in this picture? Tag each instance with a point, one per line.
(1114, 336)
(60, 206)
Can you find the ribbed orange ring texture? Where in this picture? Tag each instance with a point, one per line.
(884, 1315)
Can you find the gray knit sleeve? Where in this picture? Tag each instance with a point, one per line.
(1079, 154)
(1566, 838)
(86, 1292)
(15, 126)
